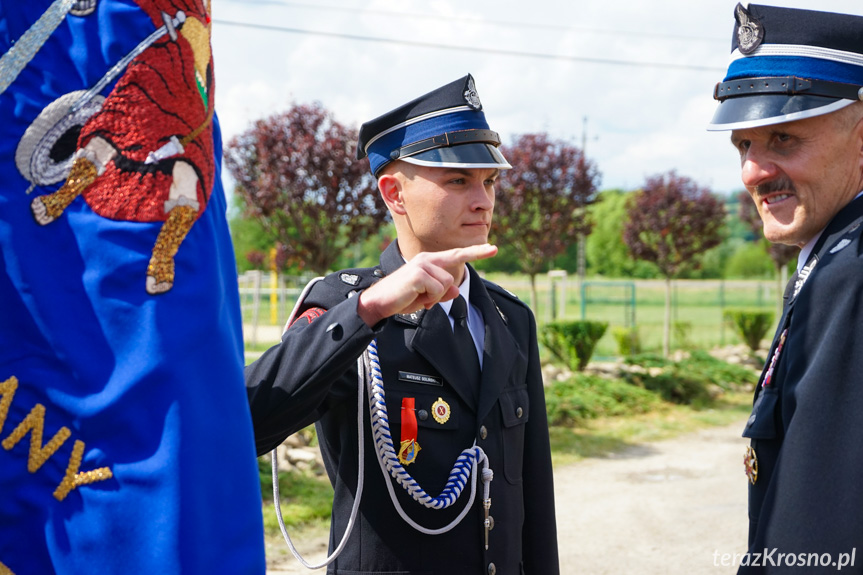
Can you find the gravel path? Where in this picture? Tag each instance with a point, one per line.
(669, 507)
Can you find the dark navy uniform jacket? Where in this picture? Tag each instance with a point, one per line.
(312, 376)
(807, 423)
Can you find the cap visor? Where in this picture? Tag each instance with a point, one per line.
(768, 109)
(473, 155)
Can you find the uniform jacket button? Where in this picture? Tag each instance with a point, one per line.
(519, 412)
(483, 432)
(423, 414)
(492, 569)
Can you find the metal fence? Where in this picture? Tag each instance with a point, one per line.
(698, 306)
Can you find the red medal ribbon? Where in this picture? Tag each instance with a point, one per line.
(769, 375)
(409, 446)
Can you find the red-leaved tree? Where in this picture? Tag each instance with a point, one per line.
(671, 222)
(781, 254)
(540, 203)
(299, 176)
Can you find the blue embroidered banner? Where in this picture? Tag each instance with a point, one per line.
(125, 439)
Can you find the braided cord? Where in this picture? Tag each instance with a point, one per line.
(465, 465)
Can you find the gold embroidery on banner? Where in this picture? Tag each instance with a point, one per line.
(5, 570)
(7, 391)
(35, 423)
(48, 208)
(72, 479)
(174, 230)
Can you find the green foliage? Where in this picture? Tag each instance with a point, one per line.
(305, 497)
(606, 253)
(506, 261)
(682, 334)
(718, 372)
(750, 261)
(584, 397)
(648, 360)
(627, 340)
(573, 342)
(751, 326)
(247, 235)
(687, 381)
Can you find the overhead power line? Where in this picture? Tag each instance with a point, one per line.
(485, 21)
(472, 49)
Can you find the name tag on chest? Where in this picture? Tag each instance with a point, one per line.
(420, 378)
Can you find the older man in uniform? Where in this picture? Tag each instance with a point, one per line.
(456, 386)
(791, 99)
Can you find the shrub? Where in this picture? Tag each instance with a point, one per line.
(751, 326)
(627, 340)
(718, 372)
(688, 381)
(648, 360)
(573, 342)
(584, 397)
(682, 333)
(673, 384)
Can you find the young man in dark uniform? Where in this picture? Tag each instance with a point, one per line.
(453, 370)
(792, 102)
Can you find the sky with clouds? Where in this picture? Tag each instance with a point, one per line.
(631, 80)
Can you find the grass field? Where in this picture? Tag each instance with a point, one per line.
(697, 306)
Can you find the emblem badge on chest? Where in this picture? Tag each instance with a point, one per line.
(750, 463)
(441, 411)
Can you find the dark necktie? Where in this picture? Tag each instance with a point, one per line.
(467, 357)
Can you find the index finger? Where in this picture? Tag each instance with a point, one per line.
(463, 255)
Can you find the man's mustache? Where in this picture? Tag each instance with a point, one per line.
(777, 185)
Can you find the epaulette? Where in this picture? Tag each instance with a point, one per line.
(337, 286)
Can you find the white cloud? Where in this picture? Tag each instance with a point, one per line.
(642, 120)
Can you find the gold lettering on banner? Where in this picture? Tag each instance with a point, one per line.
(35, 423)
(73, 479)
(7, 392)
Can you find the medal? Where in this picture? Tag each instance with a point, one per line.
(440, 411)
(750, 463)
(409, 448)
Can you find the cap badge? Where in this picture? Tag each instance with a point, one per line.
(750, 32)
(750, 463)
(471, 96)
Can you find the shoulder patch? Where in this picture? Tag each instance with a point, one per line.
(310, 315)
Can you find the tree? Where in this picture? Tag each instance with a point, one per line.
(781, 254)
(671, 222)
(607, 255)
(541, 202)
(299, 176)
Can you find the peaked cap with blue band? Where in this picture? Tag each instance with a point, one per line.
(789, 64)
(444, 128)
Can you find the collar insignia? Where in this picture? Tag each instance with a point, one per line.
(843, 243)
(750, 32)
(350, 279)
(804, 275)
(471, 96)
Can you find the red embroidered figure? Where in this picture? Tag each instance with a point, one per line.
(147, 154)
